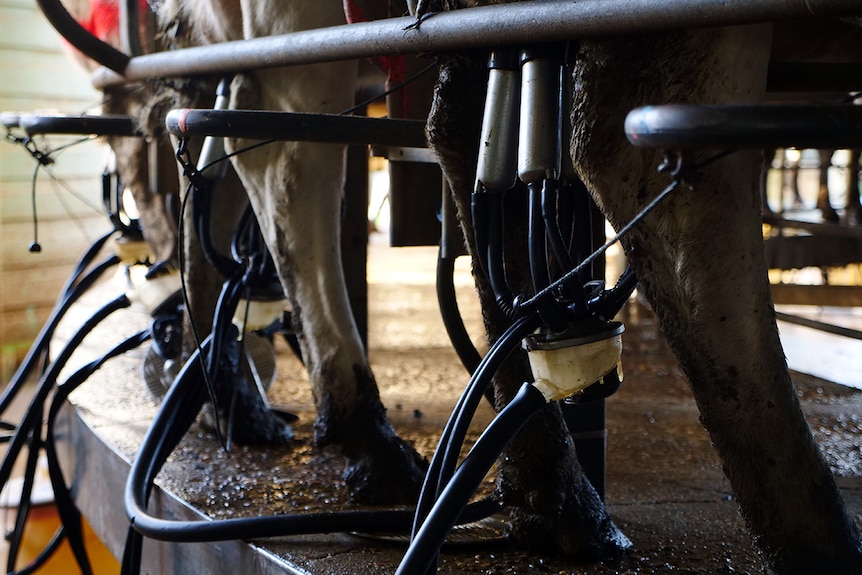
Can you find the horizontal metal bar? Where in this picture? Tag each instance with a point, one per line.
(485, 26)
(297, 127)
(404, 154)
(819, 295)
(817, 228)
(819, 325)
(678, 127)
(105, 125)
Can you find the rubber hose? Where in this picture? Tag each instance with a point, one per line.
(426, 545)
(31, 417)
(70, 517)
(448, 449)
(452, 320)
(72, 293)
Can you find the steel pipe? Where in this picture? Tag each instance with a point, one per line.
(679, 127)
(101, 125)
(10, 120)
(486, 26)
(297, 127)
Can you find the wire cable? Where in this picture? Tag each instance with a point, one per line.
(452, 320)
(29, 429)
(193, 327)
(173, 419)
(350, 110)
(537, 239)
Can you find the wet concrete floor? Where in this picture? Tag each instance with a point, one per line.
(665, 487)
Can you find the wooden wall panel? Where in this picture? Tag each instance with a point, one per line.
(36, 74)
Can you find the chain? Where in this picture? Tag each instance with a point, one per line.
(42, 156)
(190, 171)
(184, 157)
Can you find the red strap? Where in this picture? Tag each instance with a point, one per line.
(366, 11)
(104, 22)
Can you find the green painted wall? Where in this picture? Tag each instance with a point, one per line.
(36, 74)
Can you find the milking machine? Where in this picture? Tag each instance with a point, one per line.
(185, 397)
(565, 325)
(20, 130)
(573, 328)
(564, 362)
(250, 307)
(572, 345)
(183, 400)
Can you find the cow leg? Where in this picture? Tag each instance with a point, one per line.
(296, 190)
(768, 157)
(554, 507)
(853, 212)
(701, 264)
(828, 213)
(792, 179)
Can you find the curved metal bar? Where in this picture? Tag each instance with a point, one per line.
(485, 26)
(678, 127)
(81, 39)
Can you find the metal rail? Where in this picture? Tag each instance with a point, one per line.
(818, 228)
(517, 23)
(819, 325)
(686, 127)
(101, 125)
(299, 127)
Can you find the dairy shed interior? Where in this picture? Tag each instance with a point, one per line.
(663, 483)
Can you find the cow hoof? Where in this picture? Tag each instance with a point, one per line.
(391, 474)
(830, 216)
(595, 539)
(261, 427)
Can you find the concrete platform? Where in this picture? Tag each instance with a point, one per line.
(665, 487)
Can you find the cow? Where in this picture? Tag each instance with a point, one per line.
(790, 171)
(296, 192)
(700, 263)
(852, 206)
(698, 257)
(295, 189)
